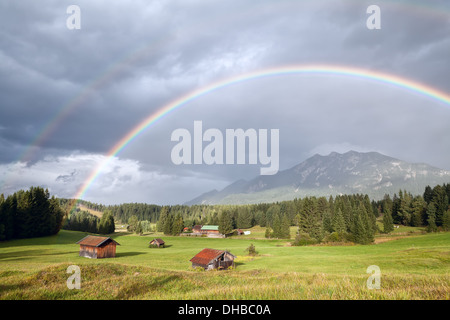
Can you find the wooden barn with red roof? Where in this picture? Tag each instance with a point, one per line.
(97, 247)
(213, 259)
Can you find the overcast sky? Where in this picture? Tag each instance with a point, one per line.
(68, 96)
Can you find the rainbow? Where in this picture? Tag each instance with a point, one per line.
(143, 51)
(331, 70)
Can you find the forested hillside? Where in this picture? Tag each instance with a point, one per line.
(340, 218)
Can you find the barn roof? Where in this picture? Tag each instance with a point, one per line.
(95, 241)
(158, 240)
(210, 228)
(205, 256)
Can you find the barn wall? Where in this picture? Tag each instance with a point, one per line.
(88, 252)
(227, 257)
(194, 265)
(226, 264)
(108, 251)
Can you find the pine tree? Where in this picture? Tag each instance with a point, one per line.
(297, 220)
(225, 223)
(251, 250)
(139, 230)
(359, 235)
(446, 221)
(285, 227)
(388, 223)
(271, 212)
(162, 219)
(178, 225)
(244, 220)
(428, 194)
(106, 224)
(440, 200)
(133, 223)
(261, 218)
(327, 222)
(418, 212)
(431, 213)
(396, 207)
(268, 232)
(7, 213)
(310, 219)
(168, 225)
(403, 215)
(56, 216)
(276, 226)
(369, 222)
(338, 222)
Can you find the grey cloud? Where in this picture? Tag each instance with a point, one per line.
(131, 58)
(67, 177)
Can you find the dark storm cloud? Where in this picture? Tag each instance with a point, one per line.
(132, 57)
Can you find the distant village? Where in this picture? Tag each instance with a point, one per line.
(210, 231)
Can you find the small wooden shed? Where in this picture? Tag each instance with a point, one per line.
(157, 242)
(197, 229)
(97, 247)
(213, 259)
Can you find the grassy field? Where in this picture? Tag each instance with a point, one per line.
(413, 266)
(91, 211)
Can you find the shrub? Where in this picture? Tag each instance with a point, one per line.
(332, 237)
(336, 237)
(303, 239)
(251, 250)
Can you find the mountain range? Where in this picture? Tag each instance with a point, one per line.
(352, 172)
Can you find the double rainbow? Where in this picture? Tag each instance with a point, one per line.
(332, 70)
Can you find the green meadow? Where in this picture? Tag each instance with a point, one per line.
(413, 266)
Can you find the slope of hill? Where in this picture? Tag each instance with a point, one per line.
(91, 211)
(352, 172)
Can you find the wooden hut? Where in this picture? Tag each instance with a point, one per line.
(157, 242)
(97, 247)
(213, 259)
(197, 229)
(210, 230)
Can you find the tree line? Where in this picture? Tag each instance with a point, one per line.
(80, 220)
(28, 214)
(344, 218)
(430, 210)
(340, 218)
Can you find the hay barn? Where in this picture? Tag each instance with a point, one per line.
(157, 242)
(213, 259)
(95, 247)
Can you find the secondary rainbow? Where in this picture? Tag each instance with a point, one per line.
(331, 70)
